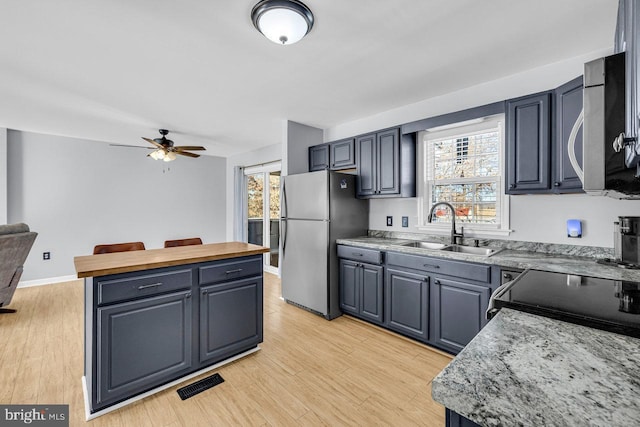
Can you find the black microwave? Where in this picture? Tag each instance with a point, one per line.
(608, 165)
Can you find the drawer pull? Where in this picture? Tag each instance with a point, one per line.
(356, 254)
(153, 285)
(238, 270)
(431, 265)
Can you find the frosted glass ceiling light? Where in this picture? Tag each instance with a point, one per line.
(282, 21)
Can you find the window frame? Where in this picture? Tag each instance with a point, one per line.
(460, 130)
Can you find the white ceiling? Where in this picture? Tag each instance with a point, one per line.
(114, 70)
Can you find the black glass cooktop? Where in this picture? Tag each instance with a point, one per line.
(599, 303)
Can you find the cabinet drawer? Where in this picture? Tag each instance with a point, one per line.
(230, 270)
(371, 256)
(467, 270)
(121, 289)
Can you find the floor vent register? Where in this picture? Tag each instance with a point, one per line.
(200, 386)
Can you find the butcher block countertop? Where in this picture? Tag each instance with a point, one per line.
(123, 262)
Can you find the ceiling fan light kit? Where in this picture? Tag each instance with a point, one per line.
(282, 21)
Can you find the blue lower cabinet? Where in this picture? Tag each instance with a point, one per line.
(456, 420)
(142, 343)
(230, 318)
(361, 290)
(407, 303)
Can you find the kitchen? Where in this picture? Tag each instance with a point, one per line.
(540, 218)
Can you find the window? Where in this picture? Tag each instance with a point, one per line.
(462, 165)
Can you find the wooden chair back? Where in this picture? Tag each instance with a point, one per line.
(182, 242)
(118, 247)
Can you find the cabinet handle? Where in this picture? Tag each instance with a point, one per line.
(507, 276)
(238, 270)
(437, 282)
(153, 285)
(431, 265)
(356, 254)
(512, 186)
(187, 296)
(556, 184)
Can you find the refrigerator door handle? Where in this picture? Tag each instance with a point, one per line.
(283, 202)
(283, 226)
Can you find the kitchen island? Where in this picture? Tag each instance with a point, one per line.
(528, 370)
(157, 317)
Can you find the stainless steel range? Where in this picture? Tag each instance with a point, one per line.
(611, 305)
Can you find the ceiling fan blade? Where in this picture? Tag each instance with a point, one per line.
(131, 146)
(186, 153)
(189, 147)
(151, 141)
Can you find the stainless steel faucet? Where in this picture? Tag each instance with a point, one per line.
(454, 235)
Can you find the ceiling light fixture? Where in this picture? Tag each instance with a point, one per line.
(282, 21)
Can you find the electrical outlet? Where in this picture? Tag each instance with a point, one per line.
(405, 221)
(46, 256)
(389, 221)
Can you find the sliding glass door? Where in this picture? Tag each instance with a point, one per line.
(262, 222)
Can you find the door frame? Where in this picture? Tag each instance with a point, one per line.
(265, 169)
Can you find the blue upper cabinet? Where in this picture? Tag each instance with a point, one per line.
(386, 163)
(537, 141)
(528, 146)
(567, 109)
(343, 154)
(319, 157)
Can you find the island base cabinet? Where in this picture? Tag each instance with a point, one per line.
(230, 318)
(407, 303)
(456, 420)
(458, 311)
(141, 344)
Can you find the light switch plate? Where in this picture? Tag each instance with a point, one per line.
(405, 221)
(389, 221)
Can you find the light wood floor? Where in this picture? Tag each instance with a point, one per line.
(309, 372)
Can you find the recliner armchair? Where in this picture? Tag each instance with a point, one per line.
(15, 243)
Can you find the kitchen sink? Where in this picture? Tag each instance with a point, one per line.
(471, 250)
(425, 245)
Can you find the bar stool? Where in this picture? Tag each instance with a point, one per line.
(182, 242)
(118, 247)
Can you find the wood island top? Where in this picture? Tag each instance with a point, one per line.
(123, 262)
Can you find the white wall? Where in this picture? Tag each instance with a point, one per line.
(267, 154)
(297, 139)
(540, 218)
(77, 193)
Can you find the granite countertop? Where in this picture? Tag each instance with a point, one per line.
(566, 263)
(523, 369)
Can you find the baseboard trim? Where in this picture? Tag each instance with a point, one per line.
(87, 406)
(47, 281)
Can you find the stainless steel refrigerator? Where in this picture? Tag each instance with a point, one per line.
(316, 209)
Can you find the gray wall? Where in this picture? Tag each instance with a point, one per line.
(297, 139)
(78, 193)
(3, 175)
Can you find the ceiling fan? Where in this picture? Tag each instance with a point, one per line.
(163, 148)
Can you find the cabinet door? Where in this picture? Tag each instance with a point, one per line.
(230, 318)
(529, 144)
(319, 157)
(456, 420)
(371, 295)
(141, 344)
(349, 295)
(458, 312)
(407, 303)
(366, 161)
(343, 154)
(388, 165)
(568, 108)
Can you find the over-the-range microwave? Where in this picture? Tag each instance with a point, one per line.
(609, 159)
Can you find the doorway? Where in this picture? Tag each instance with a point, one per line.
(262, 207)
